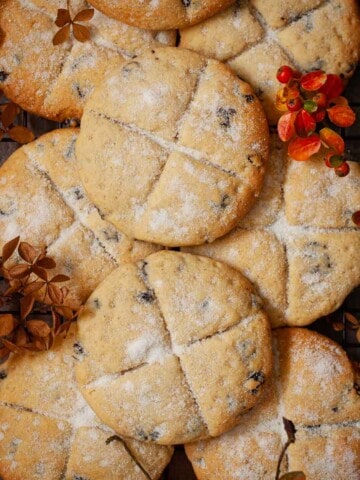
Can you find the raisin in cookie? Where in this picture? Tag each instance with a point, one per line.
(313, 386)
(55, 81)
(173, 147)
(161, 14)
(42, 200)
(298, 245)
(47, 430)
(176, 348)
(255, 39)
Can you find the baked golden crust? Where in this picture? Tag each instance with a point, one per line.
(176, 348)
(313, 386)
(173, 148)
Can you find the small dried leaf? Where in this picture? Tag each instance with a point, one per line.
(9, 114)
(63, 17)
(342, 116)
(358, 335)
(46, 262)
(313, 81)
(302, 149)
(352, 319)
(38, 328)
(21, 134)
(9, 248)
(333, 87)
(10, 346)
(4, 354)
(333, 140)
(286, 126)
(64, 311)
(27, 252)
(2, 38)
(60, 278)
(65, 291)
(14, 286)
(304, 123)
(62, 35)
(290, 429)
(356, 218)
(84, 15)
(26, 305)
(81, 33)
(33, 287)
(19, 271)
(64, 328)
(293, 476)
(55, 294)
(7, 324)
(40, 272)
(338, 326)
(20, 337)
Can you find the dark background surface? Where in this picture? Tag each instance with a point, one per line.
(180, 468)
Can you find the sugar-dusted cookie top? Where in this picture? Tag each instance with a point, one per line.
(47, 430)
(256, 38)
(55, 81)
(161, 14)
(298, 244)
(42, 200)
(173, 148)
(175, 348)
(313, 386)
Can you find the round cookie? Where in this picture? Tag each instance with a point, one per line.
(175, 348)
(43, 201)
(256, 40)
(47, 430)
(313, 386)
(172, 148)
(298, 245)
(161, 14)
(56, 81)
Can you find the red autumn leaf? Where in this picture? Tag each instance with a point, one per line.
(19, 271)
(333, 87)
(81, 33)
(341, 115)
(60, 278)
(21, 134)
(286, 126)
(38, 328)
(303, 148)
(313, 81)
(84, 15)
(9, 114)
(63, 17)
(26, 305)
(356, 218)
(333, 140)
(46, 262)
(304, 123)
(62, 35)
(7, 324)
(9, 248)
(27, 252)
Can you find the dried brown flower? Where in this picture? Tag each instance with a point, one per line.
(290, 431)
(18, 133)
(32, 290)
(65, 22)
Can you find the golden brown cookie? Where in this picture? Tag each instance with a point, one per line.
(161, 14)
(43, 201)
(175, 348)
(173, 147)
(47, 430)
(298, 244)
(56, 81)
(313, 386)
(256, 38)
